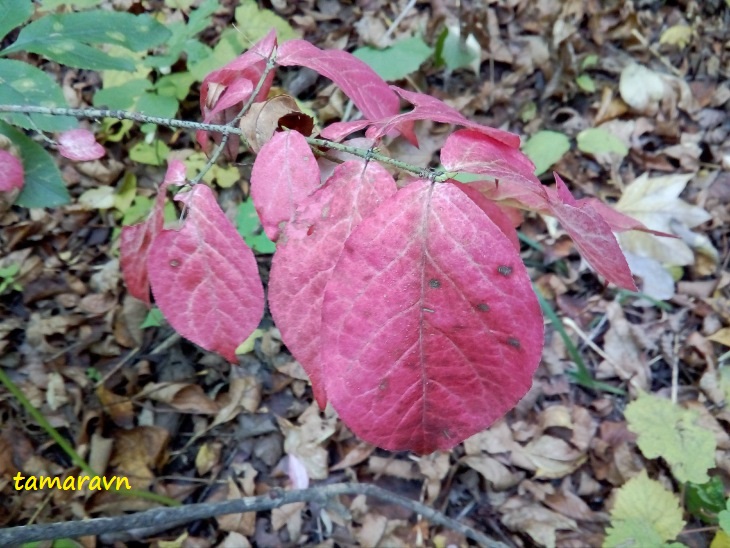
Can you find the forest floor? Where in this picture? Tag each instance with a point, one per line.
(143, 403)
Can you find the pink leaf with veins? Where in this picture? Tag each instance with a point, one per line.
(473, 152)
(135, 240)
(12, 175)
(430, 108)
(205, 279)
(370, 93)
(592, 236)
(431, 330)
(79, 145)
(493, 211)
(284, 173)
(308, 252)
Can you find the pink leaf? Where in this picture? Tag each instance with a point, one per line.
(473, 152)
(358, 81)
(79, 145)
(205, 279)
(307, 254)
(284, 172)
(592, 236)
(135, 240)
(224, 90)
(493, 211)
(431, 330)
(430, 108)
(339, 130)
(12, 175)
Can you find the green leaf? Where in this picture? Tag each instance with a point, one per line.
(154, 104)
(153, 154)
(122, 97)
(586, 83)
(599, 141)
(668, 431)
(24, 84)
(546, 148)
(723, 518)
(68, 38)
(645, 514)
(44, 186)
(14, 13)
(249, 226)
(254, 23)
(455, 53)
(50, 5)
(154, 318)
(705, 501)
(397, 61)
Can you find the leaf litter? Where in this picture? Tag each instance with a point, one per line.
(564, 468)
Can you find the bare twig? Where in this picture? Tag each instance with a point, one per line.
(185, 514)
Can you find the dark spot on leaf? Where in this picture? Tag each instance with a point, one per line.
(483, 307)
(310, 230)
(174, 263)
(434, 283)
(513, 342)
(504, 270)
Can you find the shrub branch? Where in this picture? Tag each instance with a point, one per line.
(180, 515)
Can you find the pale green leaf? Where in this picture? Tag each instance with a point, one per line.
(644, 515)
(44, 186)
(666, 430)
(255, 23)
(68, 38)
(249, 226)
(24, 84)
(101, 197)
(599, 141)
(586, 83)
(397, 61)
(153, 154)
(13, 13)
(677, 35)
(545, 148)
(456, 53)
(724, 518)
(248, 345)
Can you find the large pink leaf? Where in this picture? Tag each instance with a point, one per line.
(498, 216)
(308, 252)
(135, 240)
(12, 175)
(430, 108)
(592, 236)
(473, 152)
(431, 330)
(205, 279)
(79, 145)
(284, 172)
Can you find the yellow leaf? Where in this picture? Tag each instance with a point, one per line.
(644, 513)
(677, 35)
(721, 540)
(722, 336)
(247, 346)
(655, 202)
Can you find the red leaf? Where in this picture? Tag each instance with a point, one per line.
(473, 152)
(11, 168)
(431, 329)
(284, 172)
(358, 81)
(205, 279)
(592, 236)
(308, 252)
(493, 211)
(430, 108)
(339, 130)
(135, 240)
(225, 90)
(79, 145)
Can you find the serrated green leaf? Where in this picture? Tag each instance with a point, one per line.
(24, 84)
(645, 514)
(546, 148)
(255, 23)
(705, 501)
(599, 141)
(44, 186)
(397, 61)
(668, 431)
(67, 38)
(13, 13)
(249, 226)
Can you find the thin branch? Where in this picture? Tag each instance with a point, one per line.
(95, 113)
(191, 512)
